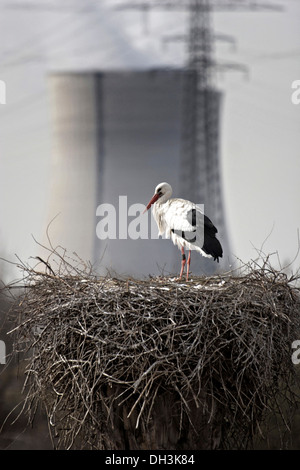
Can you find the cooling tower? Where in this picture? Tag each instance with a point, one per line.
(76, 177)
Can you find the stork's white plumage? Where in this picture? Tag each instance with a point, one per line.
(186, 225)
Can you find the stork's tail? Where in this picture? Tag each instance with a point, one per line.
(212, 247)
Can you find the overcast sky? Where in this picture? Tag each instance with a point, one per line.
(260, 152)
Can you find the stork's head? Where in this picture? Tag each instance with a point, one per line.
(163, 192)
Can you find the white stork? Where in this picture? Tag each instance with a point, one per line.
(185, 224)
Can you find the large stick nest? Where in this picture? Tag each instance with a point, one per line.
(157, 363)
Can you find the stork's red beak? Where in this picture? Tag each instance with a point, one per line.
(152, 201)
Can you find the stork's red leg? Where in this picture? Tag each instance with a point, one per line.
(188, 266)
(182, 262)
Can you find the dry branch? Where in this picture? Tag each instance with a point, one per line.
(157, 363)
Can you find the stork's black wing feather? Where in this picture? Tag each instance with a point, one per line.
(211, 245)
(209, 226)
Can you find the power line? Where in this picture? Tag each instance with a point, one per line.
(217, 5)
(37, 39)
(50, 7)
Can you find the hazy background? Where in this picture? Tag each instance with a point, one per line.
(260, 125)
